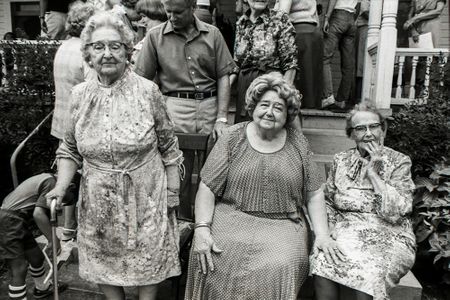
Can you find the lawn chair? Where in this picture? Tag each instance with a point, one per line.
(198, 143)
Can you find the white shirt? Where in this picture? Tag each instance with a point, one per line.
(348, 5)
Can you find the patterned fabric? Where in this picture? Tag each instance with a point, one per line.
(267, 44)
(123, 137)
(69, 69)
(265, 251)
(374, 230)
(260, 182)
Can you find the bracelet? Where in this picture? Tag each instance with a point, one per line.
(222, 120)
(202, 224)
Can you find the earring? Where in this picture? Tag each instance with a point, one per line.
(90, 64)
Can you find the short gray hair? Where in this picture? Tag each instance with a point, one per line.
(273, 81)
(365, 106)
(77, 17)
(108, 20)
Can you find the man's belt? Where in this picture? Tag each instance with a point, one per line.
(192, 95)
(202, 6)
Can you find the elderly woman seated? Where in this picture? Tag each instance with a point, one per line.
(253, 185)
(369, 197)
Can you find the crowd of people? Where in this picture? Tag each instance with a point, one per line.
(263, 218)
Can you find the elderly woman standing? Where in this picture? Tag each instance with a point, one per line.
(265, 42)
(251, 237)
(123, 137)
(369, 198)
(70, 69)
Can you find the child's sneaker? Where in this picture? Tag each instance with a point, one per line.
(40, 294)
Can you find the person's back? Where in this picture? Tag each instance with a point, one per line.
(18, 247)
(28, 193)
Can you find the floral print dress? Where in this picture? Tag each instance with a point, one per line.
(123, 138)
(374, 230)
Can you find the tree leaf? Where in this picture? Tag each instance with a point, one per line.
(425, 182)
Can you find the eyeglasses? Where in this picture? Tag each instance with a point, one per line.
(100, 47)
(361, 129)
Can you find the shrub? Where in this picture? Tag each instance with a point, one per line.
(421, 130)
(25, 99)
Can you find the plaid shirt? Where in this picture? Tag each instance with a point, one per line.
(267, 44)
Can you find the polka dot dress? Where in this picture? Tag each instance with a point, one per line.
(265, 253)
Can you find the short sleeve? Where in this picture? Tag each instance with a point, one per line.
(215, 171)
(46, 186)
(224, 60)
(147, 61)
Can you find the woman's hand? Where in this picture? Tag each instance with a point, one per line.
(332, 251)
(376, 162)
(58, 194)
(202, 247)
(408, 23)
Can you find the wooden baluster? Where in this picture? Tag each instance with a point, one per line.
(426, 92)
(387, 47)
(412, 88)
(401, 63)
(373, 35)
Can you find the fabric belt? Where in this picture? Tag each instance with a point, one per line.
(203, 6)
(192, 95)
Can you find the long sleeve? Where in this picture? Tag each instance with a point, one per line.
(396, 200)
(287, 48)
(68, 148)
(167, 140)
(330, 191)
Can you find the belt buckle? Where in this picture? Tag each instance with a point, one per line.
(199, 96)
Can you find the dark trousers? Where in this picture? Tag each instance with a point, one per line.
(309, 78)
(341, 34)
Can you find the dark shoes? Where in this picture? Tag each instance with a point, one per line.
(39, 294)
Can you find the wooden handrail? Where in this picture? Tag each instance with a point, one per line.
(421, 52)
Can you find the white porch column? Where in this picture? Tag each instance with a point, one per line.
(373, 35)
(386, 55)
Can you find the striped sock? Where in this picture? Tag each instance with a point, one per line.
(17, 292)
(38, 277)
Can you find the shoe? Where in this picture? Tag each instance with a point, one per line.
(40, 294)
(327, 102)
(68, 234)
(339, 107)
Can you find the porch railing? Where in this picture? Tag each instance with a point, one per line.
(413, 66)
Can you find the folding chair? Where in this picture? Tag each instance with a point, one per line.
(199, 144)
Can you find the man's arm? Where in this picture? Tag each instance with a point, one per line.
(43, 4)
(285, 5)
(223, 100)
(330, 9)
(146, 62)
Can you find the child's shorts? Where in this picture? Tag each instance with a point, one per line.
(15, 235)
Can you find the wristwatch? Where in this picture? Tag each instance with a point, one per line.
(222, 120)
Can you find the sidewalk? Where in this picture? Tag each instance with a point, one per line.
(80, 289)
